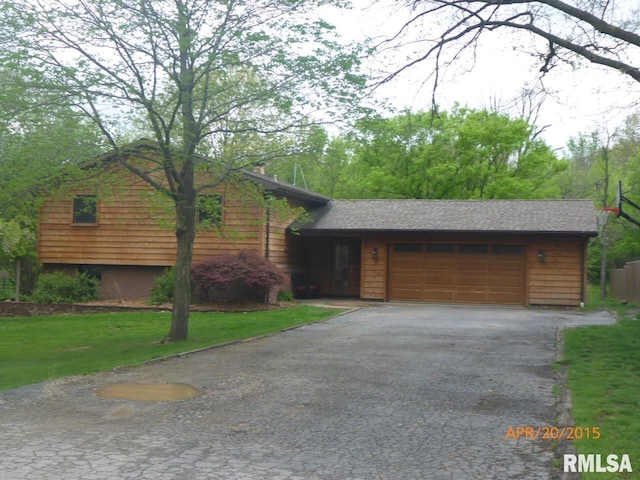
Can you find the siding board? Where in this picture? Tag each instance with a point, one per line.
(558, 280)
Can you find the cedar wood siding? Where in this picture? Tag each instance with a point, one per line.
(280, 246)
(374, 269)
(559, 280)
(128, 232)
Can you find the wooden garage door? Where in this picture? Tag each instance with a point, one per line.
(458, 273)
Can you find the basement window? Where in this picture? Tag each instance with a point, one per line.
(85, 210)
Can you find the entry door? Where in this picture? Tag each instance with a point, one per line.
(345, 267)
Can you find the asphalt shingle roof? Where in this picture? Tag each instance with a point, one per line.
(517, 216)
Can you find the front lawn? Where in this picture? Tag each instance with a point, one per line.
(604, 379)
(41, 348)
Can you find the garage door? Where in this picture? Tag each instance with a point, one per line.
(459, 273)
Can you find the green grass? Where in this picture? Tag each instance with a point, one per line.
(604, 380)
(41, 348)
(594, 302)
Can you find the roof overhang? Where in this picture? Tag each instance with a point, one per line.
(286, 189)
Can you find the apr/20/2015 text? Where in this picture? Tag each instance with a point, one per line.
(552, 433)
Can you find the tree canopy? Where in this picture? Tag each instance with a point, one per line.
(462, 154)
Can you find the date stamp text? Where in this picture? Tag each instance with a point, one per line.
(552, 433)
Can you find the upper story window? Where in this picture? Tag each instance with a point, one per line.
(210, 210)
(85, 210)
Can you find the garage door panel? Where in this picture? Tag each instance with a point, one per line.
(442, 263)
(507, 282)
(480, 265)
(435, 295)
(409, 265)
(470, 295)
(504, 267)
(473, 281)
(442, 280)
(450, 273)
(406, 294)
(512, 298)
(407, 278)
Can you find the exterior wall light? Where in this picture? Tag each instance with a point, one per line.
(374, 252)
(540, 256)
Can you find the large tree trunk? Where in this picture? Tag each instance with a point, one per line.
(185, 196)
(185, 235)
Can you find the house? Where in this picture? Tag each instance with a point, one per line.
(514, 252)
(125, 236)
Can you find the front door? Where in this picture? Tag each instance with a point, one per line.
(345, 267)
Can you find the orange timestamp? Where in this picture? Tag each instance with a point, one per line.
(552, 433)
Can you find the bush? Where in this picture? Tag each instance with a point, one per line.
(162, 289)
(284, 296)
(58, 287)
(247, 269)
(7, 289)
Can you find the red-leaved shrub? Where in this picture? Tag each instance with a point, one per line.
(247, 268)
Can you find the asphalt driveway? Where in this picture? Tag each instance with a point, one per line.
(386, 392)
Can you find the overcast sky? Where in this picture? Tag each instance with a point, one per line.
(583, 100)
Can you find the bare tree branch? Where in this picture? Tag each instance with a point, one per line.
(602, 38)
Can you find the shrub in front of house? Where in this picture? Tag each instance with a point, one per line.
(247, 275)
(284, 296)
(163, 287)
(58, 287)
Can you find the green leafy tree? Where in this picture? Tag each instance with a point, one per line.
(463, 154)
(624, 157)
(204, 77)
(17, 249)
(334, 166)
(42, 138)
(597, 161)
(302, 166)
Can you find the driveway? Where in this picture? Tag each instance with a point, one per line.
(386, 392)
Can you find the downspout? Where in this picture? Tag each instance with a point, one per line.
(267, 245)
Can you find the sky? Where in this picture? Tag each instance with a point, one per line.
(582, 99)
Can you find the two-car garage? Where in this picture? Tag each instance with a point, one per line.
(511, 252)
(460, 273)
